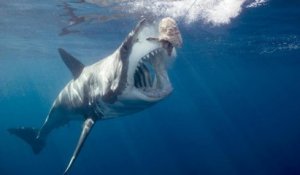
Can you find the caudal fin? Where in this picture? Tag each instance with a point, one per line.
(29, 135)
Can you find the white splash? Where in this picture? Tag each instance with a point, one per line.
(257, 3)
(216, 12)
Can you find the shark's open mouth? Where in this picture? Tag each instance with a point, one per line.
(150, 76)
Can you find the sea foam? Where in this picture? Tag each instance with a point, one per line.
(216, 12)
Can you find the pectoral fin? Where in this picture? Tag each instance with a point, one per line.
(87, 126)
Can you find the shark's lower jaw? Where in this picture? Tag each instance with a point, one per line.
(150, 77)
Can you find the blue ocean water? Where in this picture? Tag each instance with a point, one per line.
(234, 111)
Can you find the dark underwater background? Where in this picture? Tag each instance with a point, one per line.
(235, 109)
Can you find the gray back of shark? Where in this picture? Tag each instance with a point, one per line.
(129, 80)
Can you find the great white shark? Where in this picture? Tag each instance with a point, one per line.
(131, 79)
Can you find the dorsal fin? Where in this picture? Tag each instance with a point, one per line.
(72, 63)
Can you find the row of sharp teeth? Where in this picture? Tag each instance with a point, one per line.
(143, 77)
(150, 55)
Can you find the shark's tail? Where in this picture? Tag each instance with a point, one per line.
(29, 135)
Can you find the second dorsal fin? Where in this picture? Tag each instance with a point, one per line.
(72, 63)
